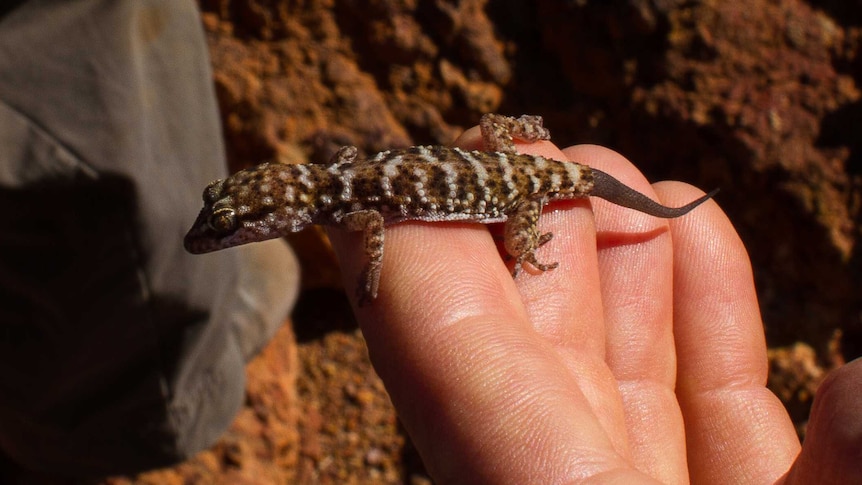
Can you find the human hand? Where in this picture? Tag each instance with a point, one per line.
(640, 358)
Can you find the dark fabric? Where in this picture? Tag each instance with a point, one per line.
(9, 5)
(114, 352)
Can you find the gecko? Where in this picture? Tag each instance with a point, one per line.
(424, 183)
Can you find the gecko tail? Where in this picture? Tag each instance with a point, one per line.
(614, 191)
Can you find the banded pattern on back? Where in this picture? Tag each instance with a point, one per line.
(437, 183)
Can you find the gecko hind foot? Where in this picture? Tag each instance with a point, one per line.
(499, 131)
(531, 259)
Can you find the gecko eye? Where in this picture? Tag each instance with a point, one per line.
(223, 221)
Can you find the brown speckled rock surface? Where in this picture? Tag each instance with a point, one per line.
(761, 99)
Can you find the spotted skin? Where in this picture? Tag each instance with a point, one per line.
(425, 183)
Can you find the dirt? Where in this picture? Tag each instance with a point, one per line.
(761, 100)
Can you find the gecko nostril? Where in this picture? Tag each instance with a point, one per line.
(223, 221)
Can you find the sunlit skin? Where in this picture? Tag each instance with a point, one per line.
(639, 359)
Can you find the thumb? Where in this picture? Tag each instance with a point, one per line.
(832, 451)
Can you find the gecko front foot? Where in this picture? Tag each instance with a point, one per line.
(371, 223)
(366, 287)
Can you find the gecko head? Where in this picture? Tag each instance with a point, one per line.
(259, 203)
(230, 217)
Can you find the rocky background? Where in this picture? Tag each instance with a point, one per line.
(759, 98)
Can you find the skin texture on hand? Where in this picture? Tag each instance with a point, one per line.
(640, 359)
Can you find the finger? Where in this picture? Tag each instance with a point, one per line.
(736, 429)
(833, 439)
(564, 305)
(554, 297)
(636, 269)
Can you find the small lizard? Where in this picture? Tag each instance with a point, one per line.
(425, 183)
